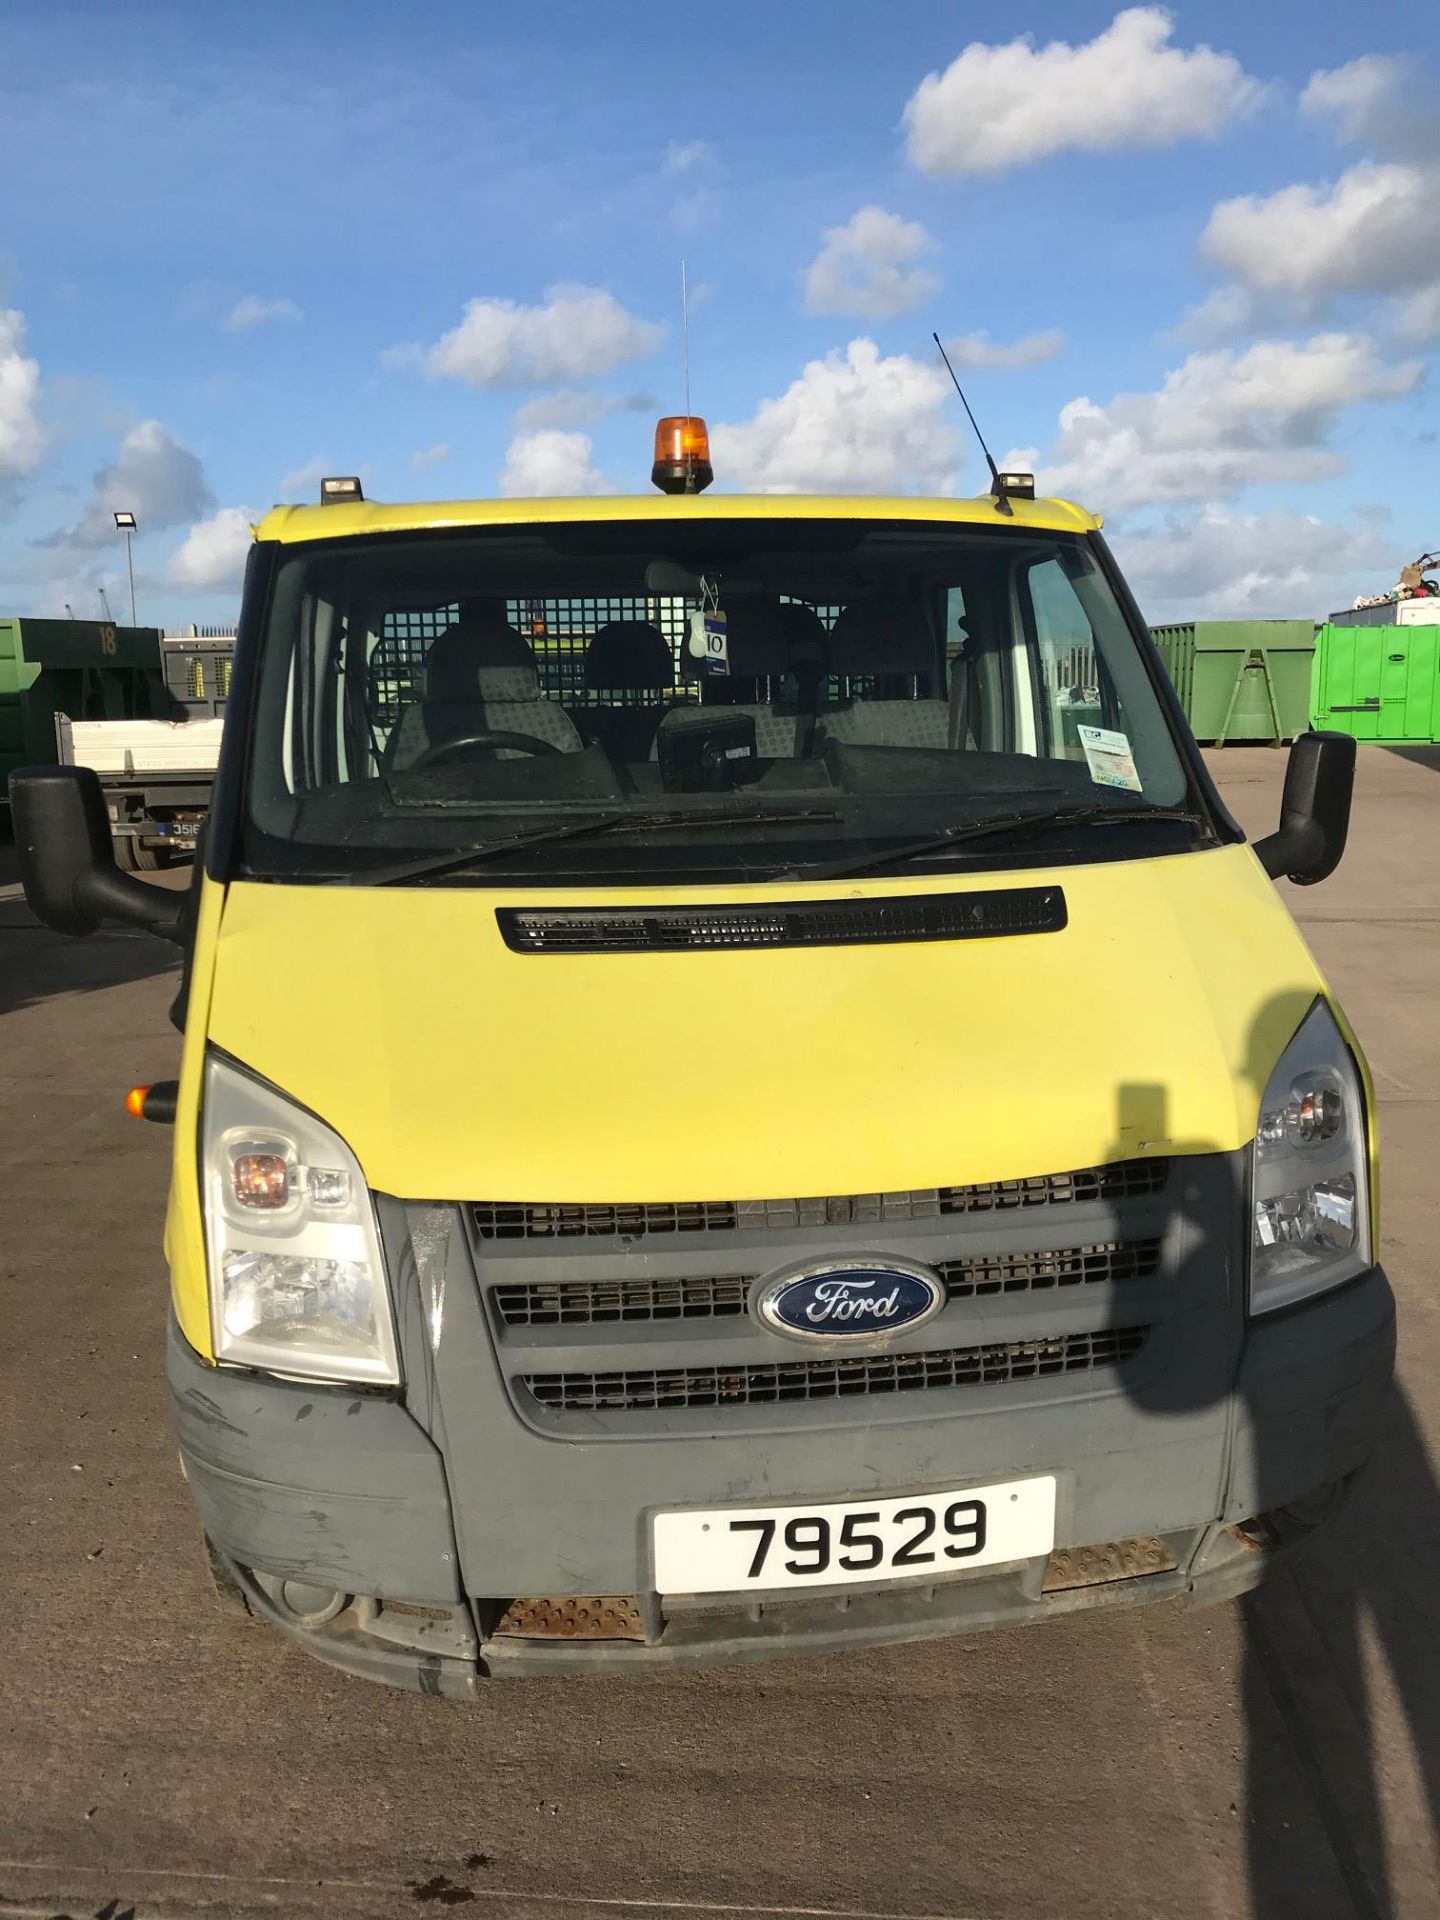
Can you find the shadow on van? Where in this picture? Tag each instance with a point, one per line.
(1332, 1637)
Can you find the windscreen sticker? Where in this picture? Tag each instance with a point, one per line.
(1108, 756)
(709, 641)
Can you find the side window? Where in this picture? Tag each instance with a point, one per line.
(1067, 666)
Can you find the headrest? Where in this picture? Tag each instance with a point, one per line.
(769, 636)
(483, 640)
(881, 636)
(507, 683)
(629, 653)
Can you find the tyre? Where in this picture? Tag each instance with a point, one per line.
(131, 857)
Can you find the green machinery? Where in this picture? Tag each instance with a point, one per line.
(86, 669)
(143, 709)
(1241, 679)
(1378, 677)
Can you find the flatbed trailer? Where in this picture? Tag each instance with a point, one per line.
(142, 708)
(156, 776)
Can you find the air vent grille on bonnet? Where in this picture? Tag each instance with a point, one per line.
(997, 914)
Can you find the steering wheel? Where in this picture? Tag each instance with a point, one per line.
(519, 742)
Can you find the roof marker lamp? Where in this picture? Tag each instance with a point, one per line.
(1310, 1224)
(1014, 486)
(682, 454)
(297, 1276)
(340, 489)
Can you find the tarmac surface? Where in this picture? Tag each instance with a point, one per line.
(1280, 1758)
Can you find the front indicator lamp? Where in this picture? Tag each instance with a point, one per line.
(1310, 1223)
(297, 1276)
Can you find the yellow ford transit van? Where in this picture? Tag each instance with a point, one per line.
(741, 1092)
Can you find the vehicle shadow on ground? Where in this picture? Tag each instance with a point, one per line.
(1360, 1591)
(36, 964)
(1420, 756)
(1355, 1613)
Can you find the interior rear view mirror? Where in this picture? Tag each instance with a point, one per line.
(669, 578)
(67, 857)
(1314, 811)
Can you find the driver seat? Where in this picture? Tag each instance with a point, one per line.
(480, 677)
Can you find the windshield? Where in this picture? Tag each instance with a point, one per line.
(719, 700)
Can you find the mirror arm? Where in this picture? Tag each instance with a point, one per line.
(1293, 845)
(105, 893)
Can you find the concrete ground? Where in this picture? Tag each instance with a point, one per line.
(1279, 1760)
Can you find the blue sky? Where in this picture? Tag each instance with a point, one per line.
(441, 246)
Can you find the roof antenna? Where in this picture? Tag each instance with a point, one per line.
(685, 329)
(1002, 505)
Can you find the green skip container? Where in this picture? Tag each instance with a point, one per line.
(1241, 679)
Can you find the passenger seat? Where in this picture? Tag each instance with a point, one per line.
(768, 638)
(627, 656)
(888, 639)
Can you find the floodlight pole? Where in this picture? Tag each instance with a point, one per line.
(125, 523)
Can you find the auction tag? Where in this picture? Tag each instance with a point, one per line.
(709, 641)
(1108, 756)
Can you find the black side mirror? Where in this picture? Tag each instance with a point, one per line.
(1314, 812)
(67, 857)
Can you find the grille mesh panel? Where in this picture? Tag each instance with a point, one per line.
(670, 1388)
(1036, 1272)
(595, 1302)
(1125, 1180)
(590, 1302)
(797, 923)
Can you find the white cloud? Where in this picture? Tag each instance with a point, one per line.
(565, 408)
(1417, 318)
(1374, 230)
(1215, 563)
(1378, 100)
(996, 107)
(870, 266)
(160, 481)
(550, 463)
(252, 311)
(1030, 350)
(851, 423)
(22, 437)
(684, 156)
(1220, 421)
(213, 553)
(1349, 97)
(575, 334)
(435, 456)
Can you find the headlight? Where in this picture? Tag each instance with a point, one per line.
(1311, 1224)
(297, 1280)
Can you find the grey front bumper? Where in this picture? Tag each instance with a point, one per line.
(343, 1489)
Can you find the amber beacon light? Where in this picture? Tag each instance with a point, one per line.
(682, 455)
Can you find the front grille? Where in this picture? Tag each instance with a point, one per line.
(995, 913)
(1034, 1272)
(572, 1302)
(593, 1302)
(518, 1220)
(655, 1390)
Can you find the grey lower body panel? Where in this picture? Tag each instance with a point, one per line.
(329, 1485)
(376, 1497)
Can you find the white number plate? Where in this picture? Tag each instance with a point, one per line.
(919, 1536)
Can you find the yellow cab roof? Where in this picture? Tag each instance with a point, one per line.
(353, 519)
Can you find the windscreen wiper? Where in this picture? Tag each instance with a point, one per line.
(443, 863)
(1095, 815)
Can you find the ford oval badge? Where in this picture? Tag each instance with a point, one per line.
(858, 1299)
